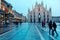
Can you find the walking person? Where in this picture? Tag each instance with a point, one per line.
(50, 26)
(54, 29)
(44, 23)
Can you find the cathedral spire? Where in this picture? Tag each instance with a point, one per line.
(32, 6)
(28, 10)
(50, 9)
(42, 3)
(46, 6)
(36, 4)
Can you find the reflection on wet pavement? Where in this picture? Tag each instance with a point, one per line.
(26, 31)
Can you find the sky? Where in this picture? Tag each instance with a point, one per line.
(22, 6)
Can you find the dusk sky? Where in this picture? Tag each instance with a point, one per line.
(22, 6)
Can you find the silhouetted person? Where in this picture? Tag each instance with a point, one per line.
(50, 26)
(54, 29)
(44, 22)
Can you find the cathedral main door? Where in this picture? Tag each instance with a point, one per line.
(39, 18)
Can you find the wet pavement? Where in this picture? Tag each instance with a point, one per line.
(7, 28)
(45, 32)
(29, 31)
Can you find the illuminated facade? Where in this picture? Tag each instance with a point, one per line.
(39, 13)
(19, 17)
(6, 12)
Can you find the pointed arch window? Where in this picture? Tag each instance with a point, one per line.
(39, 9)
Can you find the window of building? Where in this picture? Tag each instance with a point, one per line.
(47, 18)
(44, 16)
(39, 9)
(34, 14)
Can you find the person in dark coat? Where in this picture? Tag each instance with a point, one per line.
(50, 26)
(54, 28)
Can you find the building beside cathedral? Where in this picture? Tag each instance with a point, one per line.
(39, 13)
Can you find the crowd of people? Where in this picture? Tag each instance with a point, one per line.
(52, 27)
